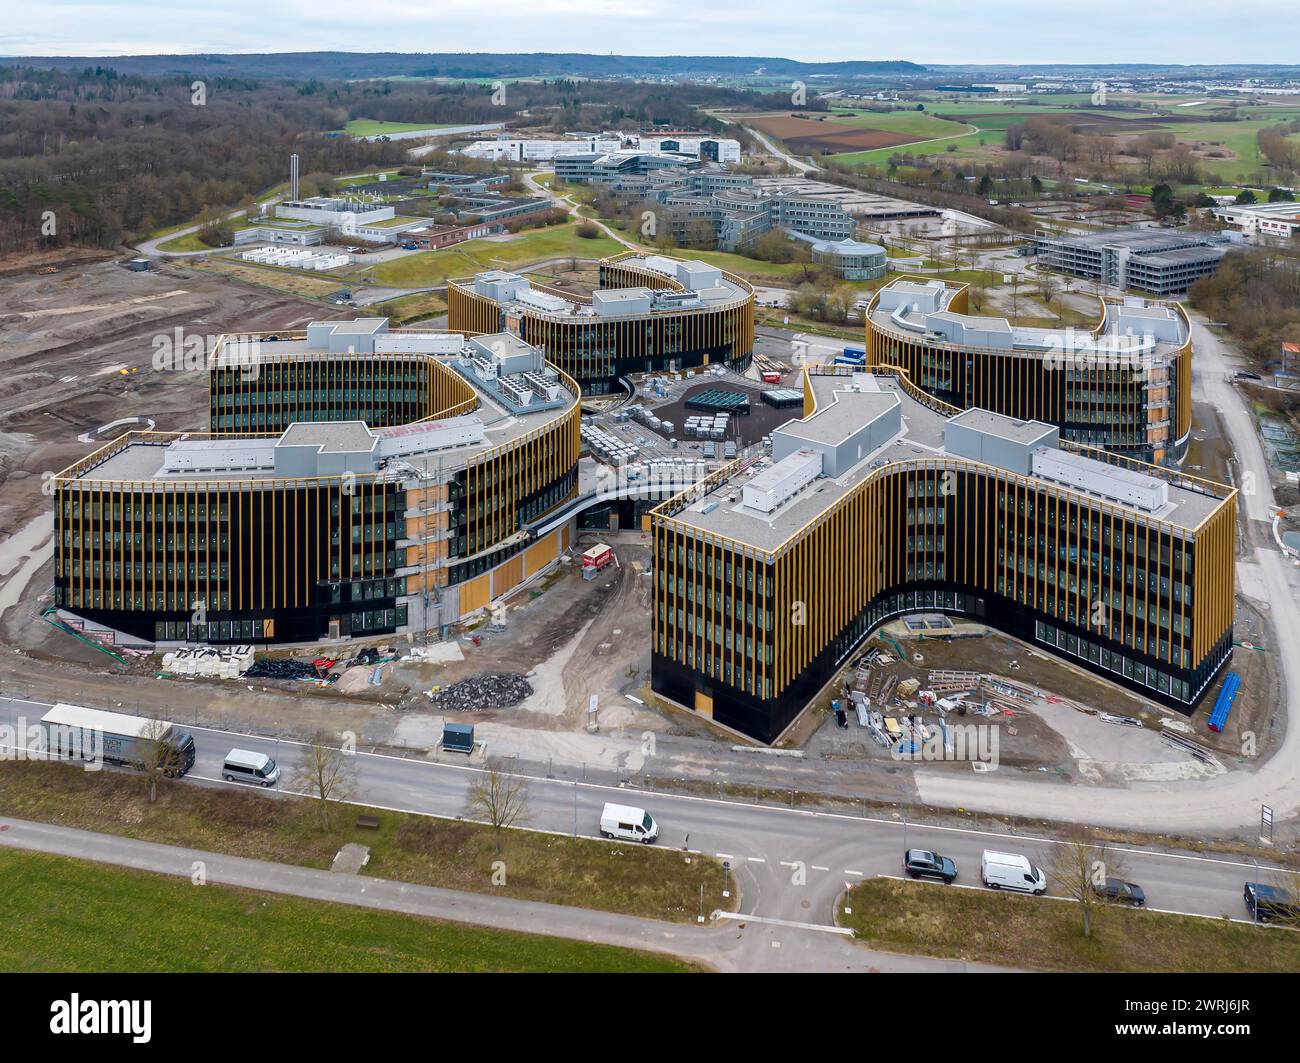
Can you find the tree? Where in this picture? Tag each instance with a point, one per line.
(327, 773)
(159, 756)
(500, 799)
(1245, 196)
(587, 231)
(1079, 868)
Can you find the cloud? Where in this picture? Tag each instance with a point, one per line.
(925, 31)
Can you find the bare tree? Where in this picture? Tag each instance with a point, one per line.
(501, 799)
(159, 755)
(327, 773)
(1080, 868)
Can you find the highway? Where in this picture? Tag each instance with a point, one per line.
(791, 864)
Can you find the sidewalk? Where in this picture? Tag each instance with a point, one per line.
(737, 945)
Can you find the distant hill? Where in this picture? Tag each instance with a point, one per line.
(347, 65)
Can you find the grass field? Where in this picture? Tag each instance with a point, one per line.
(409, 308)
(368, 127)
(188, 242)
(981, 926)
(429, 268)
(291, 281)
(73, 915)
(638, 880)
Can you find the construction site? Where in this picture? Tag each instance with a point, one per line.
(557, 672)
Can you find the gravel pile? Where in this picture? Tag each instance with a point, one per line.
(492, 690)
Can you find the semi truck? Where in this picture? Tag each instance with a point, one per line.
(73, 731)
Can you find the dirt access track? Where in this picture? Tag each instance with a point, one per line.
(78, 352)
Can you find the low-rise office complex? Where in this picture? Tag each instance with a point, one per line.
(881, 501)
(1142, 260)
(1125, 385)
(356, 481)
(737, 212)
(1279, 220)
(650, 313)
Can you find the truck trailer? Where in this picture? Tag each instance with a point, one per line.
(73, 731)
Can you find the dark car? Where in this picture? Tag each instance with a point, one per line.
(1265, 902)
(921, 863)
(1116, 889)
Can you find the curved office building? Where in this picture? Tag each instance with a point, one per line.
(1124, 385)
(650, 314)
(883, 501)
(356, 481)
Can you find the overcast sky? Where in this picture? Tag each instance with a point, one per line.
(934, 31)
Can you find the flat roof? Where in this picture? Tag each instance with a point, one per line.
(996, 424)
(1022, 340)
(922, 437)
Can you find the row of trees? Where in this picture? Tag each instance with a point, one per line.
(1257, 293)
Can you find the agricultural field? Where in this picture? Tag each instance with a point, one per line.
(1226, 151)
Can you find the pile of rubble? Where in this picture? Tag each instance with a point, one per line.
(282, 668)
(492, 690)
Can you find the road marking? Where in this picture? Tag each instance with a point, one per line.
(662, 795)
(724, 856)
(742, 918)
(847, 871)
(818, 867)
(756, 860)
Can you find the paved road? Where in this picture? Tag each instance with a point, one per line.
(566, 203)
(789, 160)
(727, 945)
(1230, 801)
(791, 863)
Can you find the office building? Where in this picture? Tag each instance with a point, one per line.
(883, 501)
(1125, 384)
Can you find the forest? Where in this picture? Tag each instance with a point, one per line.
(95, 157)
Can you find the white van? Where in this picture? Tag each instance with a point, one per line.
(1011, 871)
(630, 824)
(243, 765)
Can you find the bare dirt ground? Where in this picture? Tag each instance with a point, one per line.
(78, 352)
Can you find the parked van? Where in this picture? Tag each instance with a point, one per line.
(243, 765)
(1011, 871)
(629, 823)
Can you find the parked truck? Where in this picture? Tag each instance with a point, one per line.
(72, 731)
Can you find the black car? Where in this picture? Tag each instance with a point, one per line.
(921, 863)
(1116, 889)
(1265, 902)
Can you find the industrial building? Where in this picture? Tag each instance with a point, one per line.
(363, 219)
(1125, 385)
(1142, 259)
(699, 146)
(882, 501)
(1280, 220)
(650, 313)
(356, 480)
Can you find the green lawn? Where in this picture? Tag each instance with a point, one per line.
(369, 127)
(188, 242)
(639, 880)
(362, 178)
(430, 268)
(981, 926)
(65, 915)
